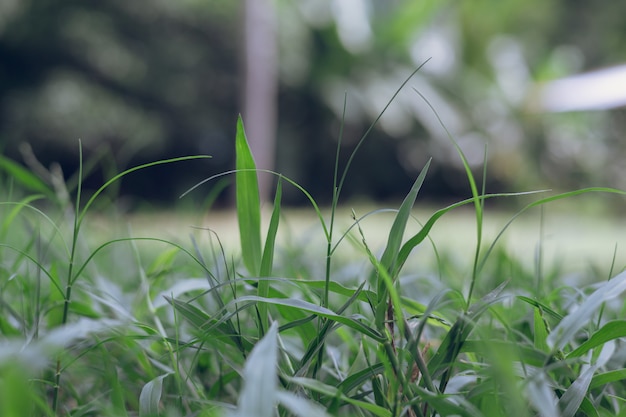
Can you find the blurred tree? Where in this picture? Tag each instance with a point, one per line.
(159, 81)
(143, 82)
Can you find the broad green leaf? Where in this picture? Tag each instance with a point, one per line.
(607, 378)
(260, 381)
(150, 397)
(248, 202)
(610, 331)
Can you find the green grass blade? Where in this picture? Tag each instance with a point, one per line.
(476, 197)
(420, 236)
(396, 234)
(128, 171)
(260, 382)
(573, 397)
(610, 331)
(270, 241)
(150, 397)
(23, 176)
(333, 392)
(248, 202)
(268, 257)
(607, 378)
(352, 322)
(543, 307)
(541, 202)
(540, 333)
(447, 353)
(371, 127)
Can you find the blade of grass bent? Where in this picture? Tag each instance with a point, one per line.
(475, 196)
(83, 212)
(248, 202)
(545, 201)
(419, 237)
(612, 330)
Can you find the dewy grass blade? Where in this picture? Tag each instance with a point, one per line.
(248, 202)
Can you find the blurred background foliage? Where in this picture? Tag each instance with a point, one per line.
(139, 81)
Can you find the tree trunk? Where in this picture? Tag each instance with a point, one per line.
(260, 92)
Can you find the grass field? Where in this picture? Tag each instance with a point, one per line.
(271, 312)
(573, 239)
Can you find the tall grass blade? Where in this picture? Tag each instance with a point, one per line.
(248, 202)
(478, 206)
(610, 331)
(394, 241)
(268, 257)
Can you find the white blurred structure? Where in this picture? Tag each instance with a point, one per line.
(598, 90)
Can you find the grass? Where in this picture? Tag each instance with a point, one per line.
(329, 325)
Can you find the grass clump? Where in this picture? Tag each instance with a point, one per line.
(144, 326)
